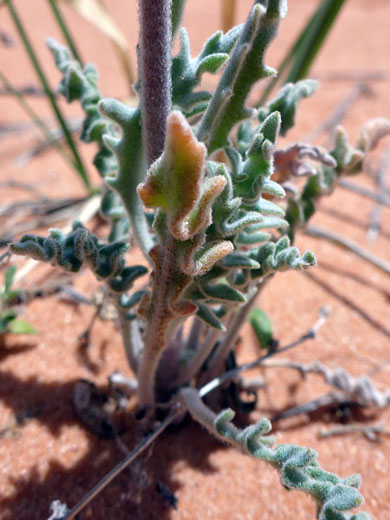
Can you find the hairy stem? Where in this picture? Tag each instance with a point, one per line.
(155, 62)
(158, 320)
(297, 466)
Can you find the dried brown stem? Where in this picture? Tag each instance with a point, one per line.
(371, 431)
(349, 245)
(339, 112)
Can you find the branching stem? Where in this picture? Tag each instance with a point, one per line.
(231, 374)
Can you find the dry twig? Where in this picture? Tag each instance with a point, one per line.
(339, 112)
(371, 431)
(349, 245)
(375, 215)
(361, 389)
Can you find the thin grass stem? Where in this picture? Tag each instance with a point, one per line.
(314, 38)
(305, 48)
(231, 374)
(78, 165)
(146, 442)
(65, 31)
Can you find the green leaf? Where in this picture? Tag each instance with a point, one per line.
(262, 326)
(287, 100)
(208, 316)
(177, 9)
(9, 276)
(6, 318)
(240, 261)
(10, 295)
(223, 293)
(21, 327)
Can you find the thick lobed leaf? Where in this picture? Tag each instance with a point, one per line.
(187, 71)
(175, 183)
(280, 256)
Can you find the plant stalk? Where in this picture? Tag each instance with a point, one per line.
(155, 79)
(155, 65)
(158, 320)
(131, 336)
(229, 8)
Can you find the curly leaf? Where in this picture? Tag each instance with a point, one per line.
(280, 256)
(297, 466)
(175, 182)
(254, 177)
(286, 102)
(228, 217)
(81, 84)
(81, 247)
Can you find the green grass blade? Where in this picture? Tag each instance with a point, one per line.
(17, 326)
(298, 59)
(78, 164)
(65, 31)
(314, 37)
